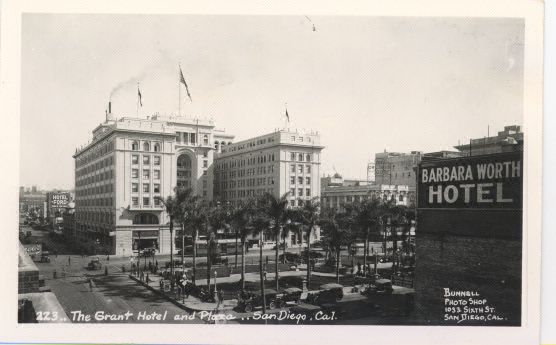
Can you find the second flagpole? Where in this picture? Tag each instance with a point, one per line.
(179, 94)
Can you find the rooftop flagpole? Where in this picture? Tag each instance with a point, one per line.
(137, 102)
(179, 92)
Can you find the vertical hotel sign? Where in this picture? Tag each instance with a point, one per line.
(477, 191)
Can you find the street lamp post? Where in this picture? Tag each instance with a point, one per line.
(215, 290)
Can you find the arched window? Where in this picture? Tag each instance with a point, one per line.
(146, 146)
(157, 147)
(134, 145)
(205, 139)
(145, 218)
(216, 145)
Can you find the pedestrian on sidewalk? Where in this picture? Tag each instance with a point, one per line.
(220, 296)
(69, 260)
(91, 284)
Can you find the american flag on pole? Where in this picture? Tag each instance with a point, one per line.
(182, 80)
(140, 96)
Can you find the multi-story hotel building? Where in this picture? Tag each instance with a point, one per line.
(128, 164)
(277, 163)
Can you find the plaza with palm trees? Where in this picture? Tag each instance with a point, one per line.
(230, 278)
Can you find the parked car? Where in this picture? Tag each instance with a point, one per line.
(251, 300)
(94, 264)
(314, 256)
(291, 294)
(177, 263)
(328, 294)
(386, 258)
(45, 257)
(290, 258)
(147, 252)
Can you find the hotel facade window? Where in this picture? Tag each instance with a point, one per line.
(156, 160)
(146, 146)
(134, 159)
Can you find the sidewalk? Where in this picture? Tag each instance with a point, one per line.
(189, 304)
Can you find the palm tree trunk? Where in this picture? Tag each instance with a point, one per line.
(338, 265)
(209, 261)
(261, 271)
(194, 269)
(309, 256)
(172, 246)
(242, 264)
(277, 277)
(183, 247)
(284, 250)
(394, 248)
(365, 251)
(235, 261)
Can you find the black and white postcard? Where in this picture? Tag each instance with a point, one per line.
(356, 173)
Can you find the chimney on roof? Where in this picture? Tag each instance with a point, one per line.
(109, 107)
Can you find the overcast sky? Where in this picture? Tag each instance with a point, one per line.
(365, 83)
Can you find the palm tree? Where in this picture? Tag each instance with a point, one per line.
(336, 234)
(397, 216)
(309, 216)
(277, 210)
(365, 216)
(261, 222)
(173, 206)
(241, 218)
(197, 218)
(184, 198)
(217, 218)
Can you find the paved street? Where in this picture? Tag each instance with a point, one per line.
(112, 294)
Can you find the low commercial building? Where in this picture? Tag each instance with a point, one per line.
(508, 140)
(336, 192)
(396, 168)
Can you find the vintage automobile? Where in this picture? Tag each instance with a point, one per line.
(314, 256)
(291, 294)
(94, 264)
(200, 292)
(251, 300)
(147, 252)
(378, 286)
(383, 285)
(290, 258)
(45, 257)
(328, 294)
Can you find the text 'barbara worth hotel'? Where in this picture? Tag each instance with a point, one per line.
(132, 161)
